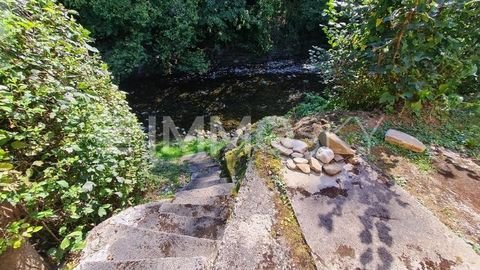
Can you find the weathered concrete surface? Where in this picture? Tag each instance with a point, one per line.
(123, 242)
(193, 263)
(178, 234)
(213, 195)
(248, 242)
(358, 222)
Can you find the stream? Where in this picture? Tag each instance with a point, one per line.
(229, 94)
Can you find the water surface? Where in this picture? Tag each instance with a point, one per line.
(229, 97)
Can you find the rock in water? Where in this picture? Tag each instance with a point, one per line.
(283, 150)
(332, 141)
(332, 169)
(287, 142)
(299, 146)
(325, 154)
(300, 161)
(315, 165)
(404, 140)
(305, 168)
(296, 155)
(291, 164)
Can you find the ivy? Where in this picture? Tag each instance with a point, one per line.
(71, 151)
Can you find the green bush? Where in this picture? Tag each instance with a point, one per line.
(71, 150)
(313, 104)
(169, 36)
(413, 52)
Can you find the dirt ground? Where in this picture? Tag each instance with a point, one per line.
(450, 189)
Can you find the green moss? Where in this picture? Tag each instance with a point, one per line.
(286, 224)
(236, 161)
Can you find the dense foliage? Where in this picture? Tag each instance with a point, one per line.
(71, 150)
(412, 52)
(168, 36)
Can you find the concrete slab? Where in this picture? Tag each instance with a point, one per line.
(208, 195)
(201, 227)
(356, 221)
(182, 263)
(248, 241)
(117, 242)
(194, 210)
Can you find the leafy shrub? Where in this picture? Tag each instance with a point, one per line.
(171, 36)
(71, 150)
(312, 104)
(412, 52)
(268, 130)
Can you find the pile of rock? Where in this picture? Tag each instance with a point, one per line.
(326, 158)
(218, 133)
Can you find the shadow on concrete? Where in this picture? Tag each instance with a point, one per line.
(377, 196)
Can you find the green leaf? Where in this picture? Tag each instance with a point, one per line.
(18, 145)
(387, 98)
(416, 106)
(378, 22)
(443, 87)
(101, 212)
(4, 166)
(37, 163)
(75, 234)
(65, 243)
(37, 228)
(63, 183)
(17, 243)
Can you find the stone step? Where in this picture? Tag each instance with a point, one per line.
(215, 200)
(213, 195)
(205, 167)
(205, 182)
(200, 161)
(118, 242)
(152, 217)
(179, 263)
(206, 174)
(202, 227)
(195, 210)
(129, 216)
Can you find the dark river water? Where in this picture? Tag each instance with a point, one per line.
(228, 97)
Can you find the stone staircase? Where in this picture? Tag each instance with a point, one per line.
(182, 233)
